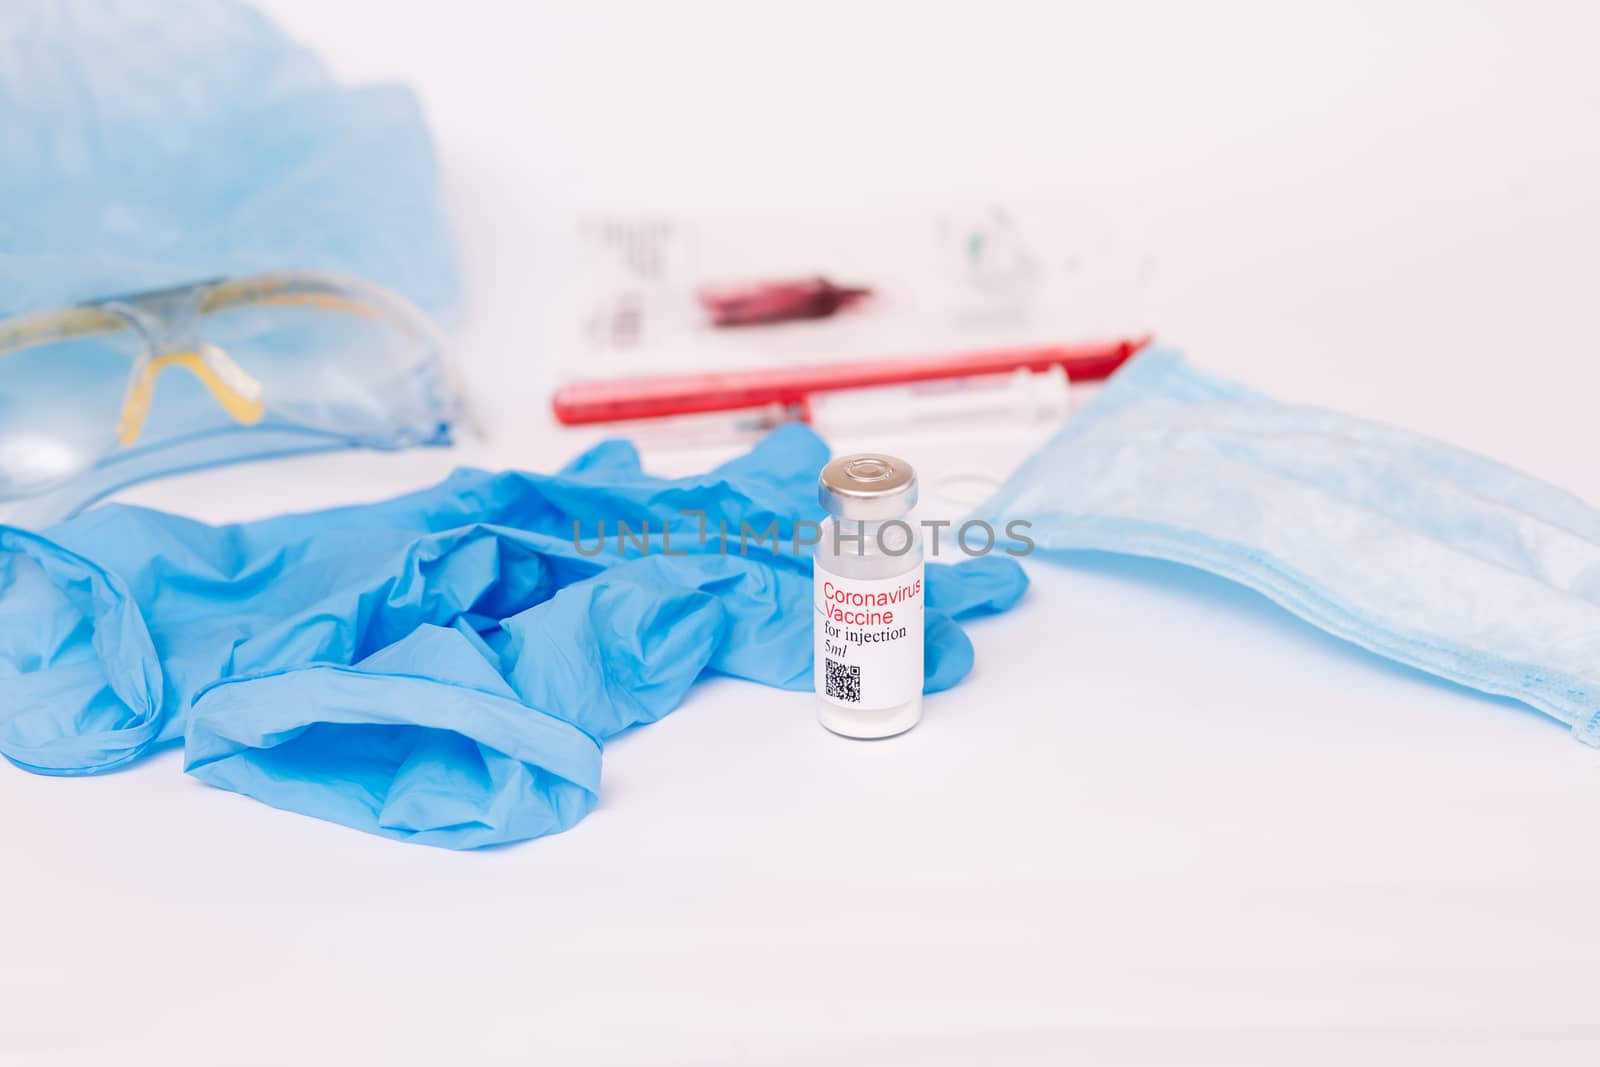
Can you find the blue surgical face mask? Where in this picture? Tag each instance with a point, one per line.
(1410, 548)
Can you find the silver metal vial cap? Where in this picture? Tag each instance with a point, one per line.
(868, 487)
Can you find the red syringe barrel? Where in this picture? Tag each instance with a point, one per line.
(687, 394)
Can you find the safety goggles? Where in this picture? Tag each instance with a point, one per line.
(106, 393)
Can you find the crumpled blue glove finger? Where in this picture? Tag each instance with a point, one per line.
(613, 651)
(766, 604)
(981, 586)
(984, 585)
(80, 682)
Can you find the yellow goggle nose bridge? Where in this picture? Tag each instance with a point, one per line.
(237, 392)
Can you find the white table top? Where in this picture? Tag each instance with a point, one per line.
(1162, 822)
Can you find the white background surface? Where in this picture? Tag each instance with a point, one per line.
(1162, 822)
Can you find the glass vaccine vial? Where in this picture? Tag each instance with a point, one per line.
(867, 626)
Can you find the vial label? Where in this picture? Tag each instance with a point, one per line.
(868, 638)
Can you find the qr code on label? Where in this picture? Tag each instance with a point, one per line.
(844, 682)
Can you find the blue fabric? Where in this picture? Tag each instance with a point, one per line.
(1415, 550)
(441, 667)
(147, 145)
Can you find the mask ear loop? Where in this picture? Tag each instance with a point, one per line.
(966, 487)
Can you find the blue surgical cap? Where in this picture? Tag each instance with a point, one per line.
(146, 145)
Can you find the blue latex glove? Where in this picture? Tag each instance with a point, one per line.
(440, 667)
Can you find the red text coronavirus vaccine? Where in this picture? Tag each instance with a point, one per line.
(869, 592)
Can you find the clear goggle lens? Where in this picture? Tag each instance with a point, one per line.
(327, 355)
